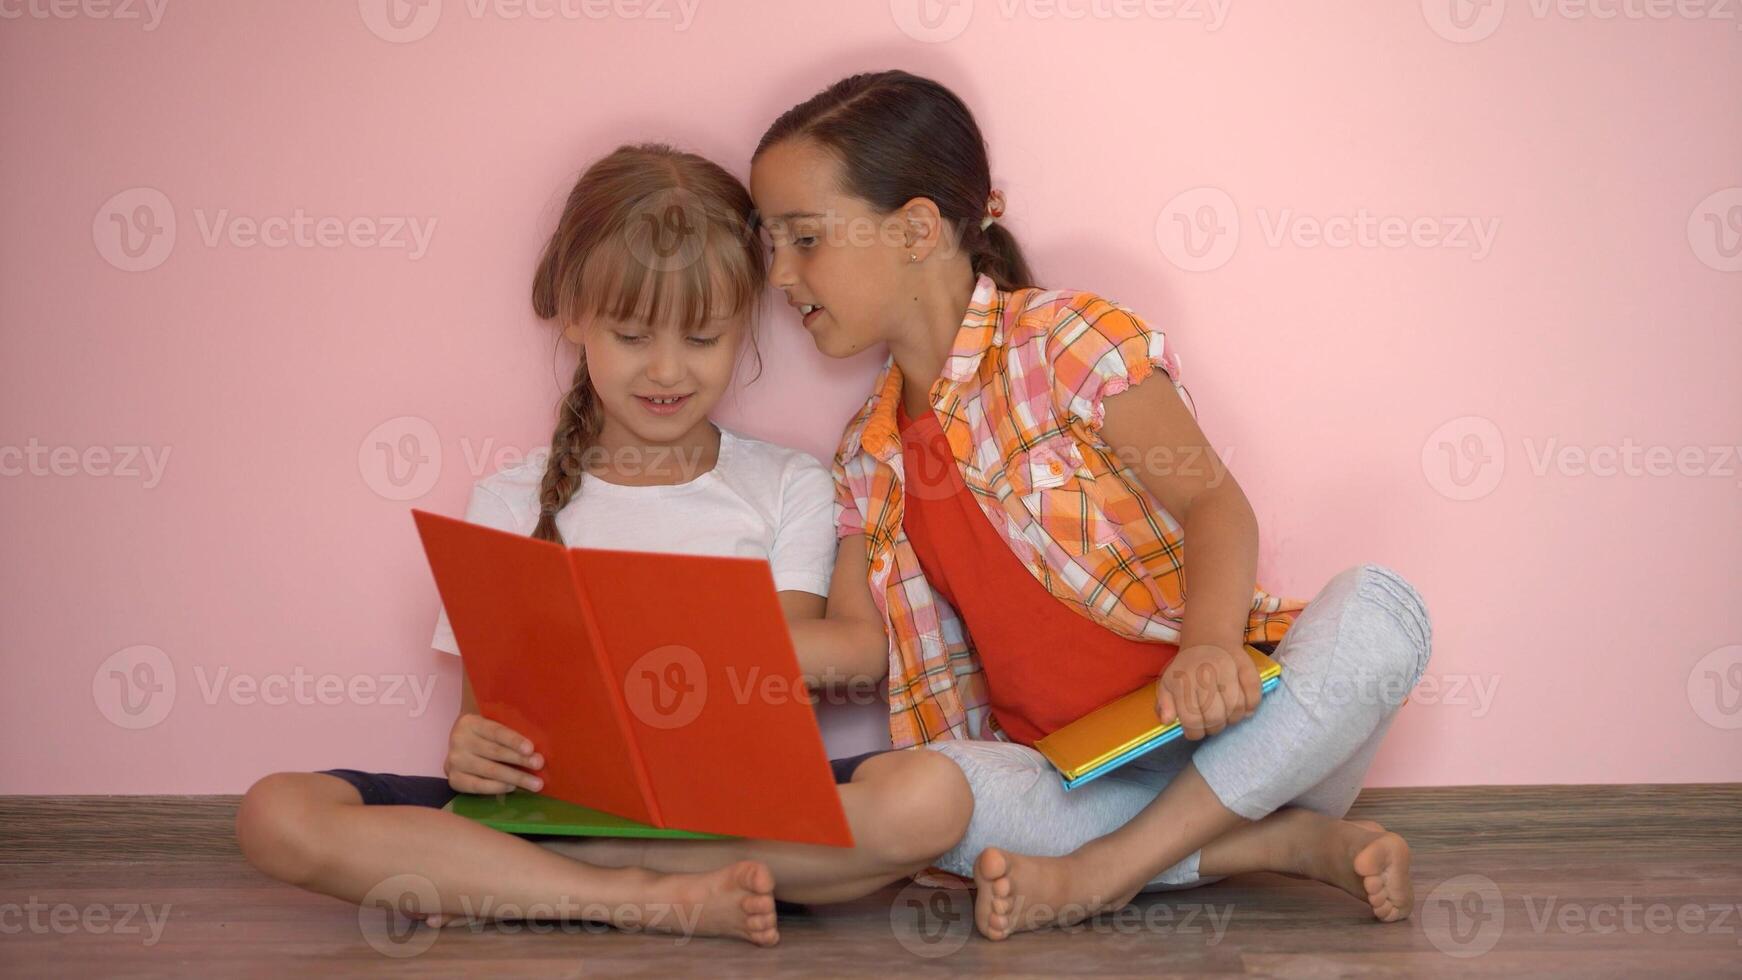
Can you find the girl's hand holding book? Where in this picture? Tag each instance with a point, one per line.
(483, 757)
(1207, 688)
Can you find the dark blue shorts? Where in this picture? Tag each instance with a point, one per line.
(391, 789)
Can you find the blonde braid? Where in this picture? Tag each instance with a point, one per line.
(577, 429)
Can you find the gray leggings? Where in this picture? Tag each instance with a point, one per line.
(1348, 661)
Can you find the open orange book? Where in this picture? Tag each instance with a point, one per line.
(659, 688)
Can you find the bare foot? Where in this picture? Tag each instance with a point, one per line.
(1358, 856)
(1018, 892)
(1383, 864)
(736, 901)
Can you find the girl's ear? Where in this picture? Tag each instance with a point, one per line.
(574, 333)
(922, 224)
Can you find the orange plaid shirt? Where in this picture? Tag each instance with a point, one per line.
(1020, 401)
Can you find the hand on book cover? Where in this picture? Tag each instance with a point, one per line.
(1207, 688)
(483, 756)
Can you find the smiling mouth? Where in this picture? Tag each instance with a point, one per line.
(664, 405)
(808, 312)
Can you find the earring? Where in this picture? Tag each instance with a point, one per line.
(912, 257)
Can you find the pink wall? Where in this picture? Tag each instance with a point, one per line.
(1553, 261)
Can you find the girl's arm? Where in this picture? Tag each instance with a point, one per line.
(842, 641)
(797, 604)
(1222, 548)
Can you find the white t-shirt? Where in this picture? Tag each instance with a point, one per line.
(759, 501)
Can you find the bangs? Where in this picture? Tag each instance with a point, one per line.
(684, 273)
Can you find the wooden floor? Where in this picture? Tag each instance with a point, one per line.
(1571, 881)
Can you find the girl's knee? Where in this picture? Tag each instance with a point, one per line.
(924, 808)
(1397, 608)
(276, 829)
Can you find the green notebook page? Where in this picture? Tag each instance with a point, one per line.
(521, 812)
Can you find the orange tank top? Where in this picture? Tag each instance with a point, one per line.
(1045, 664)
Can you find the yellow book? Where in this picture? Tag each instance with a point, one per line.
(1123, 729)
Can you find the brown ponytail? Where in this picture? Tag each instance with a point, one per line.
(1001, 258)
(652, 234)
(899, 136)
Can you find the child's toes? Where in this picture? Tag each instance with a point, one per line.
(754, 876)
(762, 931)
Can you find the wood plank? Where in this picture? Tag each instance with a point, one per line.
(1562, 879)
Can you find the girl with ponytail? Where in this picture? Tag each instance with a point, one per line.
(1015, 502)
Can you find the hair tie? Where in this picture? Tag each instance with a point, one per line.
(994, 209)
